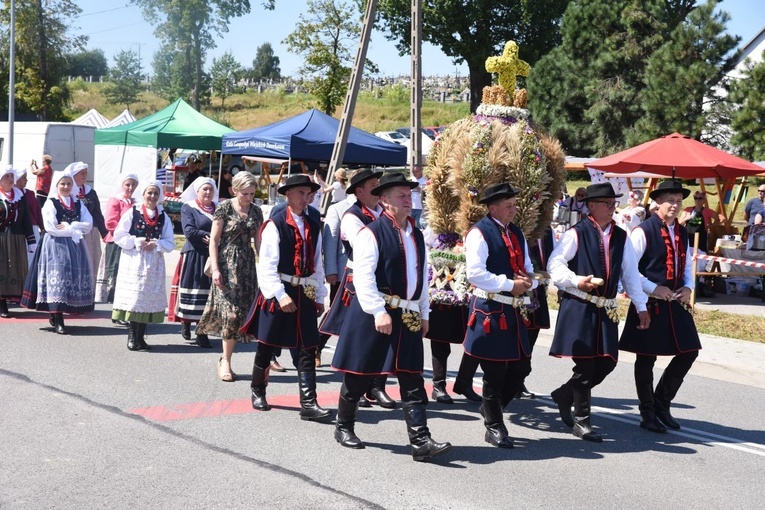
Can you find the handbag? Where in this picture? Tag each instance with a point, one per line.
(208, 267)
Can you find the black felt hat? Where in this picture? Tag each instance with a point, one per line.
(498, 192)
(296, 181)
(670, 186)
(361, 176)
(601, 190)
(392, 180)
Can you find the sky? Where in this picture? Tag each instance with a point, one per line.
(119, 25)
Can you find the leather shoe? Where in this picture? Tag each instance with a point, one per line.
(440, 395)
(314, 413)
(525, 393)
(429, 449)
(382, 399)
(666, 418)
(259, 399)
(584, 431)
(203, 341)
(346, 437)
(186, 330)
(651, 424)
(119, 322)
(363, 402)
(498, 439)
(52, 320)
(276, 367)
(564, 403)
(4, 313)
(467, 391)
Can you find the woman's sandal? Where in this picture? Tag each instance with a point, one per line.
(225, 376)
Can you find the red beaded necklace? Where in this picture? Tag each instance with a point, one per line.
(12, 196)
(64, 205)
(149, 221)
(209, 209)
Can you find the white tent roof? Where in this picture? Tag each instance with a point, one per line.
(92, 118)
(120, 120)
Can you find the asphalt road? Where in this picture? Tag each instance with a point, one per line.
(84, 423)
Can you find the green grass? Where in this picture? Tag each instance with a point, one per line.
(251, 109)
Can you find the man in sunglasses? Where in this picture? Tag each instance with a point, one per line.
(587, 326)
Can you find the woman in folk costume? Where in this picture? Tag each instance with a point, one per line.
(191, 286)
(145, 234)
(60, 280)
(117, 205)
(89, 198)
(33, 210)
(16, 238)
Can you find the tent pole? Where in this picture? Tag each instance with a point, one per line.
(220, 171)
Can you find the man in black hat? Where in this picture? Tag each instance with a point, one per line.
(587, 325)
(387, 318)
(665, 264)
(291, 295)
(364, 211)
(497, 264)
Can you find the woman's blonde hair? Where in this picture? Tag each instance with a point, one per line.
(243, 180)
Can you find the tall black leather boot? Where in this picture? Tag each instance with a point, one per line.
(346, 421)
(644, 387)
(439, 393)
(376, 392)
(140, 336)
(582, 427)
(496, 432)
(309, 408)
(564, 398)
(186, 330)
(423, 446)
(463, 384)
(258, 387)
(60, 328)
(663, 396)
(131, 345)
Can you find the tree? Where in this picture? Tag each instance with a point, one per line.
(748, 120)
(225, 71)
(42, 40)
(87, 63)
(266, 64)
(125, 79)
(629, 70)
(471, 32)
(681, 74)
(190, 26)
(324, 36)
(169, 81)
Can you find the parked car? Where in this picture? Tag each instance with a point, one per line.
(392, 136)
(431, 131)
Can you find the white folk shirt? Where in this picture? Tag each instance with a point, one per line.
(351, 225)
(268, 273)
(563, 277)
(639, 245)
(476, 253)
(75, 230)
(366, 255)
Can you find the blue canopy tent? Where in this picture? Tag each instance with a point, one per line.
(310, 136)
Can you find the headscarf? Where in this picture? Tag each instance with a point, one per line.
(190, 194)
(73, 169)
(8, 170)
(125, 177)
(142, 187)
(20, 174)
(57, 176)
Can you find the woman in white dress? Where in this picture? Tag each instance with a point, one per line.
(89, 197)
(145, 234)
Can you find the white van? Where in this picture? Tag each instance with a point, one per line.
(65, 142)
